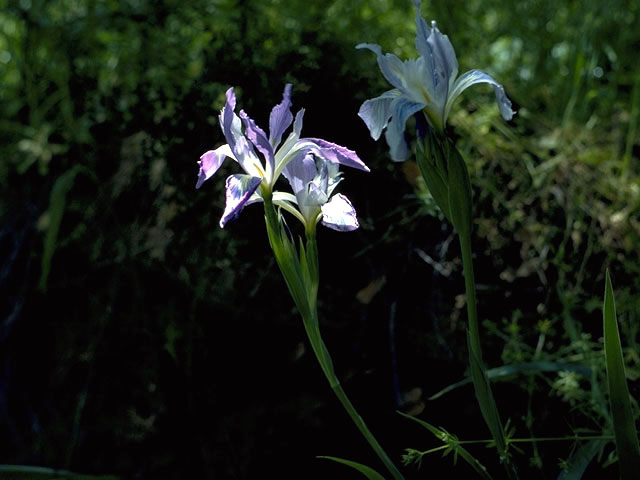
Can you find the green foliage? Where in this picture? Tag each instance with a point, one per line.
(149, 316)
(621, 413)
(368, 472)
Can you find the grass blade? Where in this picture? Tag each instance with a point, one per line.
(368, 472)
(25, 472)
(517, 368)
(623, 421)
(580, 460)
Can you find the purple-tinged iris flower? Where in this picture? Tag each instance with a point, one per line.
(312, 192)
(426, 83)
(313, 181)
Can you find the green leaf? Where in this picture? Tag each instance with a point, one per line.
(434, 177)
(486, 401)
(57, 202)
(623, 421)
(580, 459)
(24, 472)
(368, 472)
(458, 449)
(509, 370)
(460, 197)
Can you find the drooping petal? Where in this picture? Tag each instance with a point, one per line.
(239, 189)
(280, 118)
(390, 65)
(477, 76)
(336, 153)
(376, 112)
(259, 139)
(444, 59)
(338, 214)
(210, 162)
(401, 110)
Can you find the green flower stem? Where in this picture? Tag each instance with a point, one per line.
(301, 273)
(470, 290)
(324, 359)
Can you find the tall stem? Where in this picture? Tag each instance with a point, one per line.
(470, 290)
(322, 354)
(302, 279)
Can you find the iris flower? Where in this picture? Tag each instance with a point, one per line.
(310, 165)
(426, 83)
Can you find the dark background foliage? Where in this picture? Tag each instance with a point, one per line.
(139, 339)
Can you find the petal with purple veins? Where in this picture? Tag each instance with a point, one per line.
(338, 214)
(239, 189)
(336, 153)
(300, 171)
(231, 125)
(210, 162)
(280, 118)
(259, 139)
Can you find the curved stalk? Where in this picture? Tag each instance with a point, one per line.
(301, 274)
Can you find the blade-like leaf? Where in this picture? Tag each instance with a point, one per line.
(580, 459)
(460, 196)
(25, 472)
(509, 370)
(57, 202)
(368, 472)
(623, 421)
(431, 174)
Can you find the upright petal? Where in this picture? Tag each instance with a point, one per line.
(401, 110)
(336, 153)
(376, 112)
(444, 58)
(315, 195)
(259, 139)
(300, 171)
(239, 189)
(210, 162)
(231, 125)
(280, 118)
(422, 34)
(338, 214)
(297, 125)
(477, 76)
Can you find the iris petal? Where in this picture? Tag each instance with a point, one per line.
(422, 34)
(402, 109)
(300, 171)
(376, 112)
(239, 189)
(478, 76)
(338, 214)
(336, 153)
(210, 162)
(444, 57)
(259, 139)
(390, 65)
(280, 118)
(231, 126)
